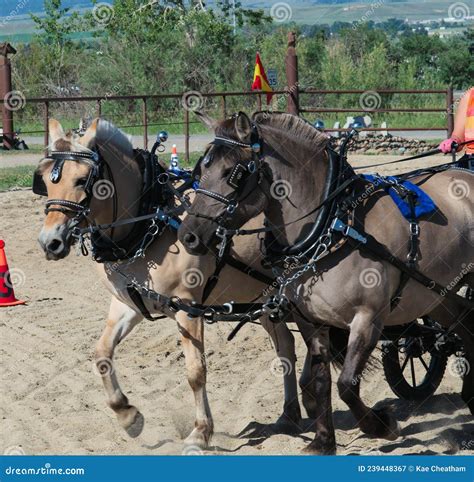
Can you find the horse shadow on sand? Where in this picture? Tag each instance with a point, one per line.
(452, 430)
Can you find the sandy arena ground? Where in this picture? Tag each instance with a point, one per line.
(53, 402)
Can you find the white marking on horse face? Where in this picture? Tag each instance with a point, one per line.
(54, 241)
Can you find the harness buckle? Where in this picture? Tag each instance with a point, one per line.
(231, 208)
(346, 230)
(414, 228)
(222, 234)
(276, 307)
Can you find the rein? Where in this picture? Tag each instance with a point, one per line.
(433, 152)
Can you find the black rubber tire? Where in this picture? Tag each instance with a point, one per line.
(397, 382)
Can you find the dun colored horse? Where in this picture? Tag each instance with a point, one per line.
(279, 165)
(166, 268)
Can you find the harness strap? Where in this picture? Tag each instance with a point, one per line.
(137, 299)
(331, 197)
(374, 247)
(65, 205)
(214, 195)
(212, 280)
(241, 266)
(404, 278)
(159, 215)
(414, 231)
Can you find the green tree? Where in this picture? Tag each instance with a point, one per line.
(57, 69)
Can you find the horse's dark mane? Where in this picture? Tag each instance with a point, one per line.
(285, 132)
(302, 132)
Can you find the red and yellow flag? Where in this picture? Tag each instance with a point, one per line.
(260, 81)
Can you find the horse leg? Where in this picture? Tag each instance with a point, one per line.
(465, 331)
(306, 382)
(365, 330)
(284, 344)
(192, 337)
(324, 442)
(120, 322)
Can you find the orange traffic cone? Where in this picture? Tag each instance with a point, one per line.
(7, 295)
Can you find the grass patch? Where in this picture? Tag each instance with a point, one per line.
(14, 177)
(22, 176)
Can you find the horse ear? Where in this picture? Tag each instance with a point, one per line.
(55, 130)
(88, 139)
(208, 121)
(243, 127)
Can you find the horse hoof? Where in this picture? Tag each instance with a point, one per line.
(317, 449)
(394, 432)
(386, 427)
(132, 421)
(390, 424)
(198, 438)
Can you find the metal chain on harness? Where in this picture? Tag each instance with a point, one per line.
(323, 245)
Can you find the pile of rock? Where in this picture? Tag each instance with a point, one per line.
(386, 144)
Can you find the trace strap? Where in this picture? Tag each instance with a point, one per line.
(366, 242)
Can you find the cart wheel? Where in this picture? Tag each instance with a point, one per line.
(413, 371)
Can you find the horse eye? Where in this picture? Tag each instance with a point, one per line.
(227, 172)
(81, 182)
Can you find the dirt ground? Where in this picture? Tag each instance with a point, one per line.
(53, 402)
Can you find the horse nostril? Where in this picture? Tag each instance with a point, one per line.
(55, 245)
(191, 240)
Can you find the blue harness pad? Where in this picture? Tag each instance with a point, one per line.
(423, 203)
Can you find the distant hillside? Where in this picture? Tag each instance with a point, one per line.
(35, 6)
(309, 12)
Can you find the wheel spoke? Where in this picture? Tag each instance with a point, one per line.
(412, 366)
(427, 368)
(405, 362)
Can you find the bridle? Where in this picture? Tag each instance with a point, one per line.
(78, 210)
(243, 179)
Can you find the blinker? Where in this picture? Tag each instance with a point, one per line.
(39, 187)
(237, 175)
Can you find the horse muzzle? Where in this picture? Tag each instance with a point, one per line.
(193, 244)
(55, 241)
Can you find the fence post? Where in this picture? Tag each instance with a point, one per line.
(145, 124)
(186, 135)
(224, 107)
(46, 127)
(450, 109)
(5, 87)
(291, 68)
